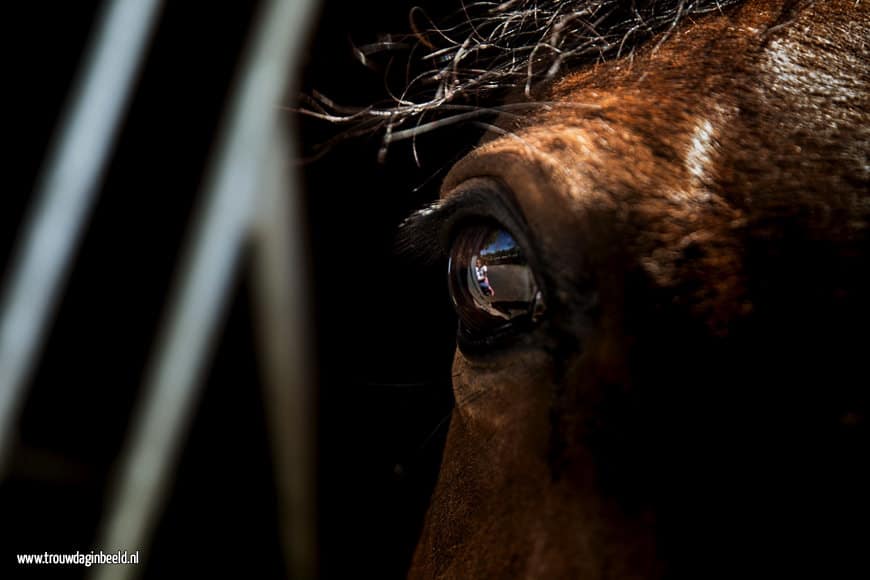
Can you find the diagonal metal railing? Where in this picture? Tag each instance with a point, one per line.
(249, 200)
(65, 194)
(241, 178)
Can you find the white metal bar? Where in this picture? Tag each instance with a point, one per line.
(280, 276)
(65, 194)
(221, 226)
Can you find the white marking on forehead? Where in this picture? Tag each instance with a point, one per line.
(699, 155)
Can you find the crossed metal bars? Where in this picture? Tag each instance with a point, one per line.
(250, 194)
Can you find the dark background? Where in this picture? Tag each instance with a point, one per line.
(384, 325)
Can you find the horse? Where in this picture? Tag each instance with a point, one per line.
(669, 379)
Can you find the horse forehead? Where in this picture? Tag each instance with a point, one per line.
(658, 104)
(601, 158)
(663, 120)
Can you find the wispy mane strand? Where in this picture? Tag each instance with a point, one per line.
(487, 48)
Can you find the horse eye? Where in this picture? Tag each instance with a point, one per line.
(494, 290)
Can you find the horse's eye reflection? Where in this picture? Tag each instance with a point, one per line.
(492, 286)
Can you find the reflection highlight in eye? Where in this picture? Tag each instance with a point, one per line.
(492, 286)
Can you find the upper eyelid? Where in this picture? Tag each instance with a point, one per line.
(425, 234)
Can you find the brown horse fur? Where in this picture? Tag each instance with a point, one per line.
(693, 403)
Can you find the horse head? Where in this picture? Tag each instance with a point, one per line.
(668, 378)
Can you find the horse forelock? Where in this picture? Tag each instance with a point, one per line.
(460, 68)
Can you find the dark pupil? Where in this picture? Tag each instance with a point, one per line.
(492, 286)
